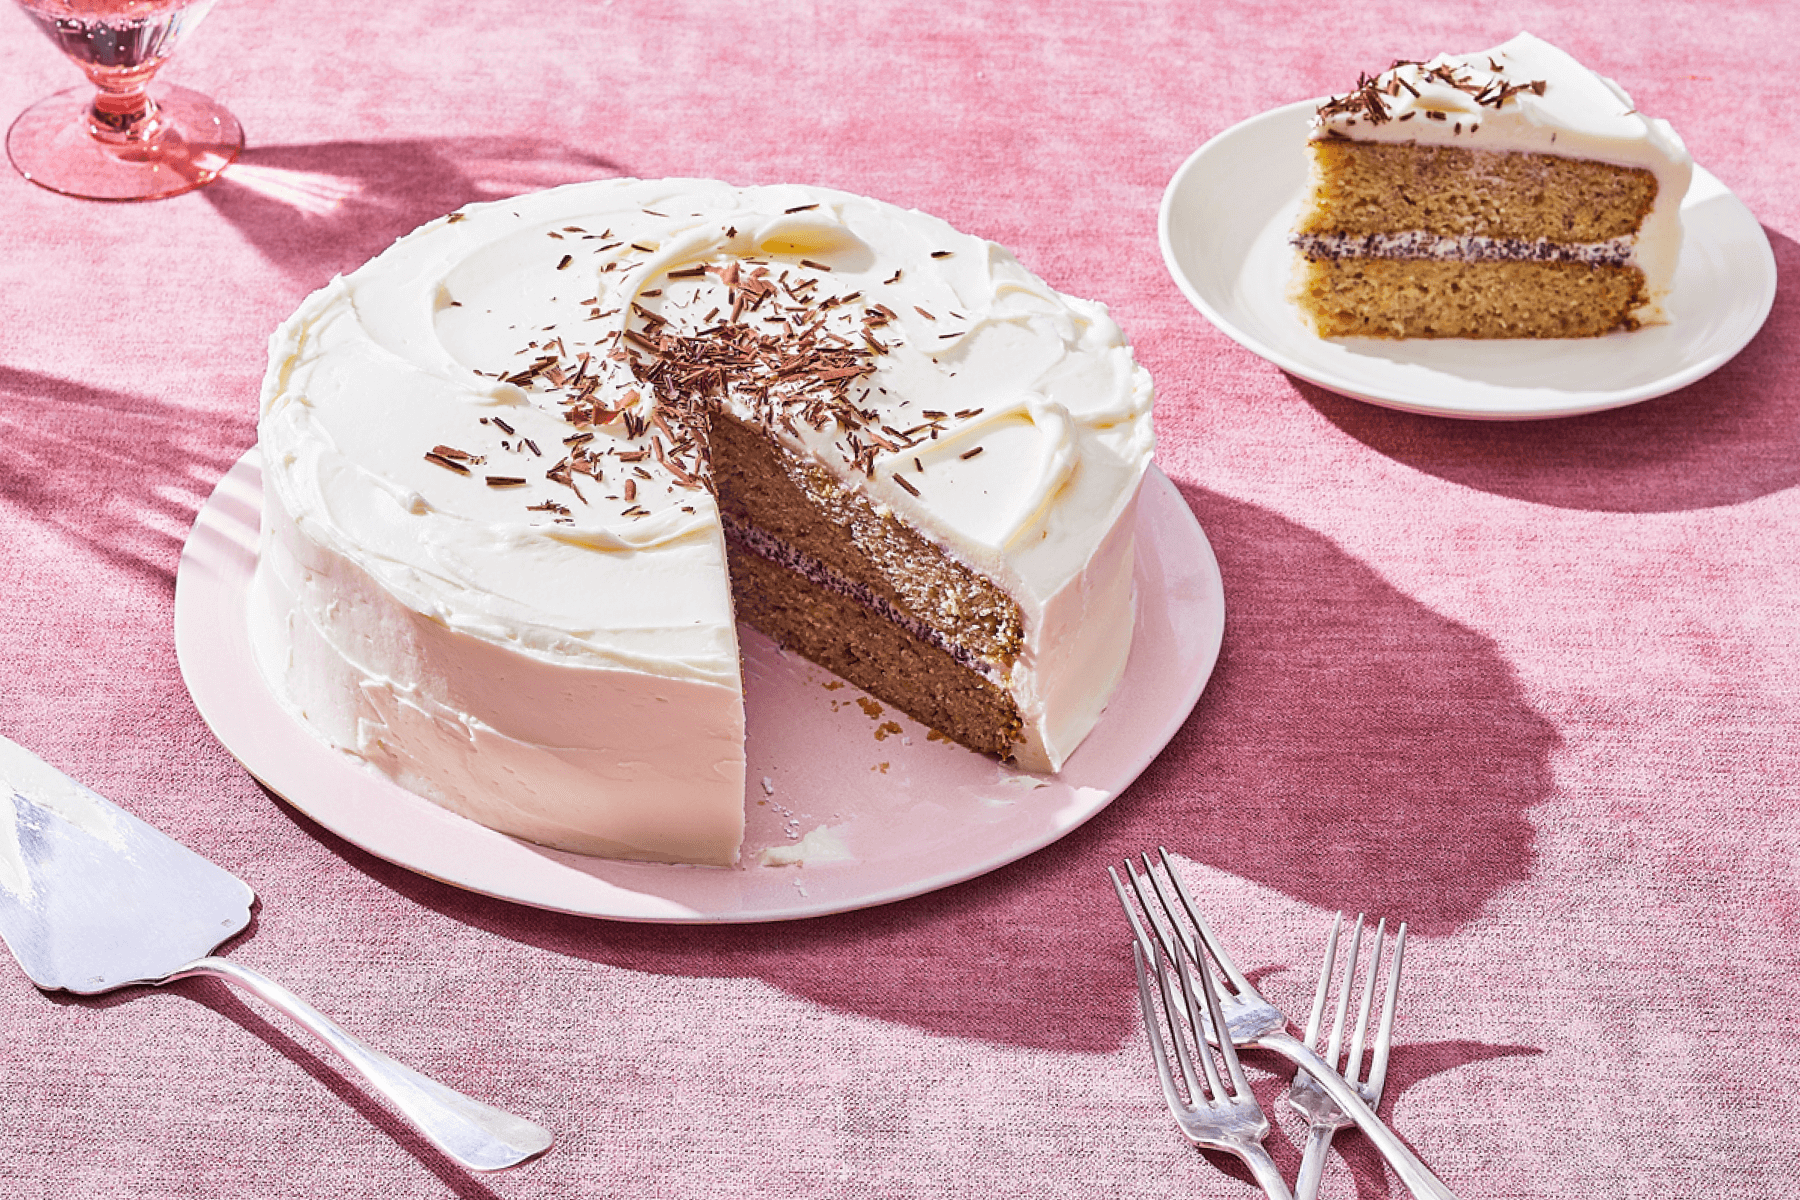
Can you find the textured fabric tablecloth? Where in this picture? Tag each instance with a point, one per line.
(1533, 687)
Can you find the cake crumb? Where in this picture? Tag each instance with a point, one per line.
(886, 730)
(870, 707)
(818, 847)
(768, 786)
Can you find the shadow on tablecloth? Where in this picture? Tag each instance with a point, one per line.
(324, 208)
(130, 484)
(1730, 438)
(121, 473)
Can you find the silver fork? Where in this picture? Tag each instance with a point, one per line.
(1224, 1114)
(1324, 1117)
(1252, 1020)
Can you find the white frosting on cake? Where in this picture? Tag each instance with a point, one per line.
(557, 658)
(1497, 104)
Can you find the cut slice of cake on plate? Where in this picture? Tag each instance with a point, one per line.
(525, 471)
(1511, 193)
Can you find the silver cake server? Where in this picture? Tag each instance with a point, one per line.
(92, 899)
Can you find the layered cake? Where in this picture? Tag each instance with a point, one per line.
(525, 470)
(1507, 194)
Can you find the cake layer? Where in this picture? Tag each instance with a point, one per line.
(1414, 298)
(1453, 191)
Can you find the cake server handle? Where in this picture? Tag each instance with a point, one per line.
(477, 1135)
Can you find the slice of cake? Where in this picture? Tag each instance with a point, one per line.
(1508, 194)
(524, 471)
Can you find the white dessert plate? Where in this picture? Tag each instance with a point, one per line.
(908, 813)
(1224, 226)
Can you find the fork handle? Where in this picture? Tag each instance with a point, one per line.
(1312, 1161)
(477, 1135)
(1267, 1174)
(1413, 1173)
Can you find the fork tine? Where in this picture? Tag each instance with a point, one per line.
(1384, 1036)
(1332, 1053)
(1170, 912)
(1166, 931)
(1213, 945)
(1325, 973)
(1137, 927)
(1181, 1031)
(1158, 1052)
(1200, 1011)
(1216, 1018)
(1353, 1066)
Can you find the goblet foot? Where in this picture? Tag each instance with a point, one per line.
(193, 138)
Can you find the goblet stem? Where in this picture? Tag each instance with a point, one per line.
(124, 115)
(124, 140)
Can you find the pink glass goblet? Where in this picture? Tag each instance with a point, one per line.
(124, 139)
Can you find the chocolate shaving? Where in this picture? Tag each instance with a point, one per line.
(441, 461)
(1366, 101)
(788, 352)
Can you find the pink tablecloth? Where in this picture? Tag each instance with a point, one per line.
(1531, 687)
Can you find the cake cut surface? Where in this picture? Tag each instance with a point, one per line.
(1509, 193)
(526, 469)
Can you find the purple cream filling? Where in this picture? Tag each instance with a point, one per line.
(1417, 244)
